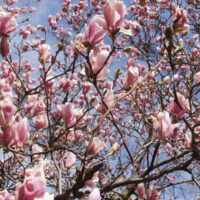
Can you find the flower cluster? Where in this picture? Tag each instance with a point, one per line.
(151, 193)
(180, 20)
(14, 130)
(33, 186)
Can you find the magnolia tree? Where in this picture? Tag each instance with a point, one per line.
(100, 100)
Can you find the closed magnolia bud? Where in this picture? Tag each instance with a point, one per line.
(166, 79)
(118, 72)
(127, 49)
(114, 148)
(5, 46)
(70, 161)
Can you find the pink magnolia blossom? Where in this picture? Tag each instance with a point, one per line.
(44, 53)
(35, 43)
(5, 89)
(113, 19)
(42, 28)
(181, 20)
(86, 87)
(4, 195)
(197, 77)
(94, 195)
(66, 4)
(34, 105)
(32, 9)
(40, 121)
(24, 9)
(33, 186)
(53, 22)
(96, 145)
(100, 20)
(152, 194)
(25, 32)
(135, 27)
(66, 84)
(93, 181)
(79, 43)
(7, 111)
(140, 190)
(164, 3)
(163, 125)
(69, 114)
(70, 136)
(102, 177)
(108, 99)
(15, 11)
(97, 60)
(175, 108)
(16, 135)
(37, 149)
(131, 77)
(94, 33)
(114, 13)
(8, 23)
(71, 159)
(57, 113)
(50, 83)
(11, 2)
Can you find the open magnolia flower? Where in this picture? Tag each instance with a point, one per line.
(179, 110)
(94, 34)
(16, 134)
(130, 77)
(180, 21)
(69, 114)
(40, 121)
(94, 195)
(11, 2)
(163, 125)
(7, 111)
(96, 145)
(8, 23)
(113, 18)
(33, 186)
(70, 161)
(107, 101)
(147, 194)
